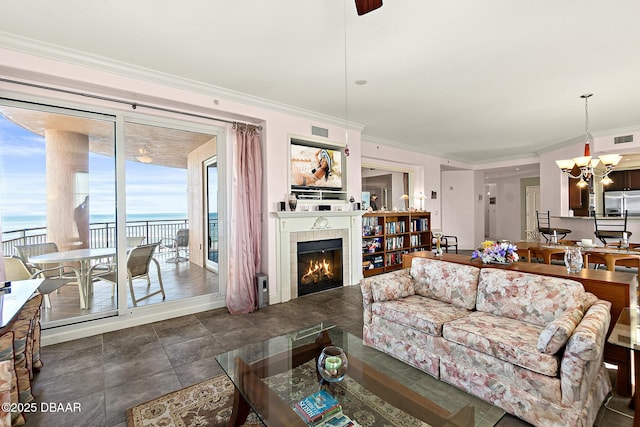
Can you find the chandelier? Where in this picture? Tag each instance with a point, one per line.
(586, 163)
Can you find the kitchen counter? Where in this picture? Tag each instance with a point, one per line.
(582, 227)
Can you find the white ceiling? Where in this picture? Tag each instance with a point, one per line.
(472, 80)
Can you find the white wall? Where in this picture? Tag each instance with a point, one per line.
(458, 207)
(508, 220)
(479, 208)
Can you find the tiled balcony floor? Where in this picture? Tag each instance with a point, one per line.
(181, 280)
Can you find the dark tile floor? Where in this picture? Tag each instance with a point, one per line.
(110, 372)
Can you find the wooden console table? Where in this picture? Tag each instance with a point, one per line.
(616, 287)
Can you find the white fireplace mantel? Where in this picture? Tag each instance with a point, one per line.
(317, 222)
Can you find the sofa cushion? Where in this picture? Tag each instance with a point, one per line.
(446, 281)
(532, 298)
(392, 286)
(511, 340)
(418, 312)
(555, 335)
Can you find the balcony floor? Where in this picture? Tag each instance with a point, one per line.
(182, 280)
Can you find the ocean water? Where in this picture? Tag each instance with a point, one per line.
(10, 223)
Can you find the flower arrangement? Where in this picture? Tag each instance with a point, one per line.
(496, 252)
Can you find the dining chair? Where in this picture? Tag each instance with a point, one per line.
(139, 262)
(610, 228)
(446, 242)
(16, 269)
(545, 229)
(180, 242)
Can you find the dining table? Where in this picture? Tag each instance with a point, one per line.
(610, 256)
(83, 256)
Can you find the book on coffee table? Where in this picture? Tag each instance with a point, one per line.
(317, 407)
(337, 420)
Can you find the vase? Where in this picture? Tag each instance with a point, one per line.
(293, 202)
(573, 259)
(438, 235)
(332, 364)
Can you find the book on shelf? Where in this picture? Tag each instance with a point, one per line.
(317, 407)
(421, 224)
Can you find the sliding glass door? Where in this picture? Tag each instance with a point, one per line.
(211, 167)
(166, 195)
(57, 193)
(60, 172)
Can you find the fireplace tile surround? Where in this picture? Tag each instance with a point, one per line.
(294, 227)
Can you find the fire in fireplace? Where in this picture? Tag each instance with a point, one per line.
(319, 265)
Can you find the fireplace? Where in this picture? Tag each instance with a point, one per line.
(319, 265)
(307, 226)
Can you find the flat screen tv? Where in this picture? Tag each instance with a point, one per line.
(315, 167)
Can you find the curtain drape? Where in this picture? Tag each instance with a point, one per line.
(2, 275)
(245, 226)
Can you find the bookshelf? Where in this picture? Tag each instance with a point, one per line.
(386, 236)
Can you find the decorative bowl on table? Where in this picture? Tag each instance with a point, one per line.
(332, 364)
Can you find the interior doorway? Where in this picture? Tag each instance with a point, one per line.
(388, 185)
(532, 205)
(490, 225)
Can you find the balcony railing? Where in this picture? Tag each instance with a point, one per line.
(103, 234)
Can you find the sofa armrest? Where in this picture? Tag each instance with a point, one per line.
(385, 287)
(584, 352)
(587, 340)
(367, 299)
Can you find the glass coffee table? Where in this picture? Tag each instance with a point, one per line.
(270, 376)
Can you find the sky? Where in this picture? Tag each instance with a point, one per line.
(149, 188)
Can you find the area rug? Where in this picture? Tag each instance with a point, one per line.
(209, 403)
(206, 404)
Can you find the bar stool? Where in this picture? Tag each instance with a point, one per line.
(544, 227)
(611, 228)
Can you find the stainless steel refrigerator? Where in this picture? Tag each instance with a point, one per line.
(616, 202)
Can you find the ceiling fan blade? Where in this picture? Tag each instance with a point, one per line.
(366, 6)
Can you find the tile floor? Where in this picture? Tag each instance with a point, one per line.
(110, 372)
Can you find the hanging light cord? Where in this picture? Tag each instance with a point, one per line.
(586, 116)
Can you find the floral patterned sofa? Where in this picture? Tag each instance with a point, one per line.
(528, 343)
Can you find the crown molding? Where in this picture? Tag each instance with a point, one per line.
(101, 63)
(610, 133)
(442, 156)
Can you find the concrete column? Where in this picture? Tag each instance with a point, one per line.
(67, 166)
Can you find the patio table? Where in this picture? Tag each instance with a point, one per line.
(83, 256)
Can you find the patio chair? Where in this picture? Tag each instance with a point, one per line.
(16, 269)
(49, 271)
(133, 241)
(27, 251)
(545, 229)
(610, 228)
(180, 242)
(138, 267)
